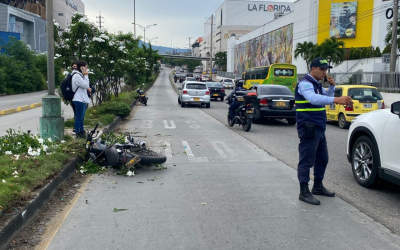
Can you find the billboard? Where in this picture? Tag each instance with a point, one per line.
(273, 47)
(343, 20)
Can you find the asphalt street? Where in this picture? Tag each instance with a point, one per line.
(220, 190)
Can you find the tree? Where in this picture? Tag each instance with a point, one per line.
(221, 59)
(331, 49)
(305, 50)
(377, 52)
(388, 37)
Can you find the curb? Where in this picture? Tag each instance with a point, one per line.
(18, 222)
(23, 108)
(8, 111)
(173, 84)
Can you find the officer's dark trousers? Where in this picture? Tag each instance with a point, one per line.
(312, 153)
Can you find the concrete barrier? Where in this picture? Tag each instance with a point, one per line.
(7, 111)
(35, 105)
(23, 108)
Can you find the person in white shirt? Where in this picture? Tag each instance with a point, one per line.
(80, 84)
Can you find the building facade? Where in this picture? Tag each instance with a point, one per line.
(239, 18)
(30, 26)
(65, 9)
(358, 24)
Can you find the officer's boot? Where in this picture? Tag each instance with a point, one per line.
(306, 196)
(319, 189)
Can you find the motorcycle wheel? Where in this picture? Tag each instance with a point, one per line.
(148, 157)
(246, 123)
(230, 121)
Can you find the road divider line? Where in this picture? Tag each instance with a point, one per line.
(35, 105)
(8, 111)
(23, 108)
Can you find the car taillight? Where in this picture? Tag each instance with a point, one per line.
(263, 102)
(207, 92)
(184, 92)
(349, 108)
(222, 90)
(383, 105)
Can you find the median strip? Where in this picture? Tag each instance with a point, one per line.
(35, 105)
(23, 108)
(8, 111)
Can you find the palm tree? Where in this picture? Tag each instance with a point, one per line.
(388, 37)
(331, 49)
(305, 50)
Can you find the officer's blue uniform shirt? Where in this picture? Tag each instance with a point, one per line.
(306, 89)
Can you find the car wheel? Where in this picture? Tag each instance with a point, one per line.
(182, 104)
(343, 124)
(365, 162)
(291, 121)
(179, 100)
(208, 105)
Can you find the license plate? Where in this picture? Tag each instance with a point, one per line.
(196, 99)
(249, 111)
(280, 104)
(240, 99)
(367, 105)
(215, 94)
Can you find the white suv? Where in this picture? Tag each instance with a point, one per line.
(373, 146)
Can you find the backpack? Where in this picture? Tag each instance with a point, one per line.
(66, 88)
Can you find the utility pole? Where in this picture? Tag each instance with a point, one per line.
(190, 44)
(211, 44)
(134, 18)
(51, 122)
(100, 21)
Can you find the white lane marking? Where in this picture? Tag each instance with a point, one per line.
(192, 124)
(220, 151)
(147, 124)
(166, 125)
(190, 154)
(168, 151)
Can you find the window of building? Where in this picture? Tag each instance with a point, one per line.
(60, 14)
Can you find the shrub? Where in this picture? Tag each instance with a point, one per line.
(118, 108)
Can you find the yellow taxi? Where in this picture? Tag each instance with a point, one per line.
(365, 99)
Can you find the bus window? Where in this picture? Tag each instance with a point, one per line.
(265, 73)
(258, 76)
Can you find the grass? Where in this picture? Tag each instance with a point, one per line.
(19, 177)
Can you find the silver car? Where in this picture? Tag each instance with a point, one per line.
(193, 93)
(227, 83)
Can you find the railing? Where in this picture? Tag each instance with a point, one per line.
(226, 74)
(355, 65)
(384, 81)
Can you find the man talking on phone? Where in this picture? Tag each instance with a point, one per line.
(311, 99)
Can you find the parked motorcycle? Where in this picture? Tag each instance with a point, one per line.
(244, 113)
(142, 96)
(117, 155)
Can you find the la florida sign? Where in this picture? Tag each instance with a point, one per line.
(269, 8)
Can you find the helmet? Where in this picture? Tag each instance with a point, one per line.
(239, 84)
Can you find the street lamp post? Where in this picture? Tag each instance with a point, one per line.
(149, 40)
(144, 29)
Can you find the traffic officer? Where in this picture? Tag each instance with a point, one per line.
(311, 99)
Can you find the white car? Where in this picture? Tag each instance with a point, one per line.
(227, 83)
(373, 146)
(194, 93)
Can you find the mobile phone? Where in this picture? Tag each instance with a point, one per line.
(325, 79)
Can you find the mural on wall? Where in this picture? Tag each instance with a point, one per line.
(273, 47)
(343, 20)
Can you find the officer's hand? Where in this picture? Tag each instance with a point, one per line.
(343, 100)
(331, 81)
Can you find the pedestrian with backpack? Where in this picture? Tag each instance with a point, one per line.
(81, 88)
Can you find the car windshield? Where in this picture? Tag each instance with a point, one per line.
(275, 90)
(190, 79)
(228, 80)
(364, 93)
(214, 84)
(196, 86)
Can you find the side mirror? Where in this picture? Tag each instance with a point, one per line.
(395, 108)
(179, 88)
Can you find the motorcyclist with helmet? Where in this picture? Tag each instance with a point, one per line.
(175, 78)
(233, 105)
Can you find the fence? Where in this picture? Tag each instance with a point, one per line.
(227, 74)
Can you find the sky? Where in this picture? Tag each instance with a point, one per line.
(176, 20)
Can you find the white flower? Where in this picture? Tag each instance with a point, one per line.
(15, 176)
(19, 143)
(57, 24)
(103, 168)
(62, 141)
(99, 65)
(82, 171)
(111, 61)
(58, 55)
(98, 39)
(130, 173)
(16, 157)
(15, 172)
(65, 73)
(50, 140)
(45, 147)
(4, 181)
(90, 56)
(40, 140)
(83, 19)
(8, 153)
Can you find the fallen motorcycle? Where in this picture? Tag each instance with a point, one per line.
(244, 113)
(117, 155)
